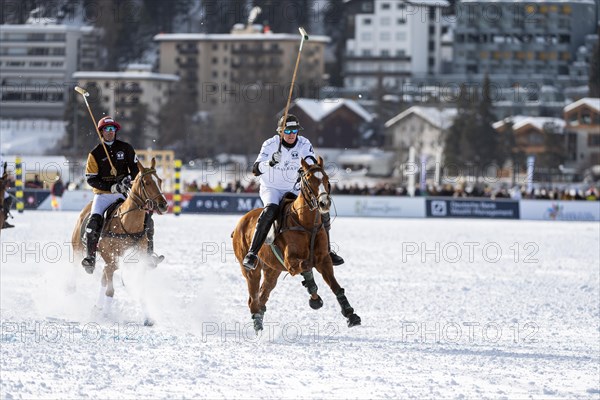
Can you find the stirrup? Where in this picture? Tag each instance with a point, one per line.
(7, 225)
(335, 259)
(250, 261)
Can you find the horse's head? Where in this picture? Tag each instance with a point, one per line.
(314, 185)
(146, 189)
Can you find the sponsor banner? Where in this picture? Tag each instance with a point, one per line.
(446, 208)
(556, 210)
(378, 206)
(224, 203)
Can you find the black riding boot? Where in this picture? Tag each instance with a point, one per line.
(335, 259)
(155, 259)
(261, 231)
(7, 205)
(92, 234)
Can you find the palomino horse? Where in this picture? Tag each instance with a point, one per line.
(3, 183)
(124, 226)
(301, 245)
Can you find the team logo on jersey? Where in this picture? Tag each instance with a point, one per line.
(295, 155)
(120, 155)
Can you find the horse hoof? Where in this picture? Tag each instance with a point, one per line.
(258, 322)
(148, 322)
(315, 304)
(90, 269)
(353, 320)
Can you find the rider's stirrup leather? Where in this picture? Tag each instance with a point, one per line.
(250, 261)
(335, 259)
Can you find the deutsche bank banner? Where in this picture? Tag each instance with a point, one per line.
(445, 208)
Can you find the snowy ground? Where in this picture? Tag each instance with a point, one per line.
(450, 309)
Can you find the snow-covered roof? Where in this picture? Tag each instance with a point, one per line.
(177, 37)
(429, 3)
(440, 118)
(30, 136)
(319, 109)
(128, 75)
(592, 102)
(44, 28)
(530, 1)
(519, 121)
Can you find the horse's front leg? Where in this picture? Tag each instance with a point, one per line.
(108, 274)
(325, 268)
(253, 281)
(269, 282)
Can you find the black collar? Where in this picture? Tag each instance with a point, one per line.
(287, 145)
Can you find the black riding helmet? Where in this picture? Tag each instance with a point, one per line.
(290, 122)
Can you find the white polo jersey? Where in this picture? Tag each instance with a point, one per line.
(284, 175)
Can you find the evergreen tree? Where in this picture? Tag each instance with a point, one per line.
(471, 140)
(220, 16)
(284, 16)
(335, 22)
(594, 75)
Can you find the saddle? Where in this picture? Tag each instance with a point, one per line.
(107, 213)
(279, 224)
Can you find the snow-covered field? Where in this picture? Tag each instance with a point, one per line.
(450, 309)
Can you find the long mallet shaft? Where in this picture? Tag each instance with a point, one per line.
(85, 94)
(289, 99)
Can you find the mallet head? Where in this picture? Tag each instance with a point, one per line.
(303, 33)
(81, 91)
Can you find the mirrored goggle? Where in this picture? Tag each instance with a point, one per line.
(109, 128)
(290, 131)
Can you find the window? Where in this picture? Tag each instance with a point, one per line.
(594, 140)
(367, 6)
(366, 52)
(215, 46)
(385, 21)
(401, 21)
(367, 21)
(586, 117)
(385, 53)
(385, 6)
(384, 36)
(366, 36)
(535, 138)
(215, 60)
(400, 36)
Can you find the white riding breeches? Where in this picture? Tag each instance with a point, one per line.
(272, 195)
(102, 201)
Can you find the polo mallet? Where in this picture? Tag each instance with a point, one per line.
(85, 94)
(287, 106)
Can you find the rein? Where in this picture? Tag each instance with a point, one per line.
(144, 203)
(310, 198)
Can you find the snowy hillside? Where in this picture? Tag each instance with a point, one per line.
(450, 309)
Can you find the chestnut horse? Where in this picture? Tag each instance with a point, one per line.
(124, 226)
(301, 245)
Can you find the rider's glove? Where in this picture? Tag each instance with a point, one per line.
(122, 186)
(275, 158)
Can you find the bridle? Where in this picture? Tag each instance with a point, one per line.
(310, 197)
(145, 202)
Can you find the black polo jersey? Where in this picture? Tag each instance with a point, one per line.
(97, 170)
